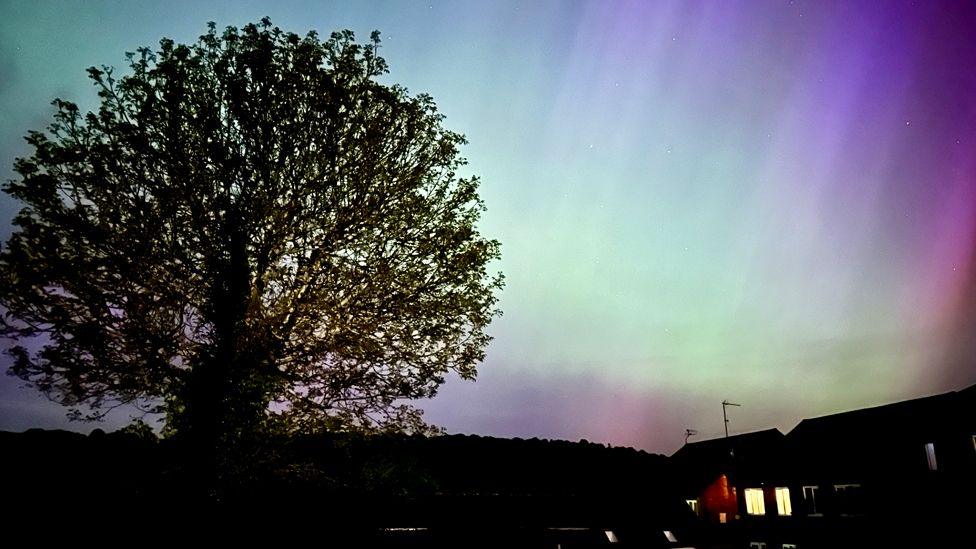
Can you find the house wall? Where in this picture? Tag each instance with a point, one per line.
(719, 498)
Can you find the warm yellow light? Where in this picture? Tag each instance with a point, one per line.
(783, 505)
(755, 503)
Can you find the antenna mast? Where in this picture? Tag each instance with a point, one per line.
(725, 417)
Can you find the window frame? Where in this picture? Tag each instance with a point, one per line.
(839, 488)
(812, 499)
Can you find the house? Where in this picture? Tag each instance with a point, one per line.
(713, 471)
(873, 460)
(887, 474)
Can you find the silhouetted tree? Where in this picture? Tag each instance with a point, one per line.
(251, 230)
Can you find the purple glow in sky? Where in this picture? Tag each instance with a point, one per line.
(772, 202)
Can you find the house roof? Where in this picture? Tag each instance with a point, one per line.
(882, 440)
(904, 418)
(742, 445)
(860, 444)
(743, 456)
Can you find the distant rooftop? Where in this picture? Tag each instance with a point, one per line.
(741, 444)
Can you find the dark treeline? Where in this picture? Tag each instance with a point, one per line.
(377, 490)
(133, 463)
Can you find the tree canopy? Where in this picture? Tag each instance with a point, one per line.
(251, 230)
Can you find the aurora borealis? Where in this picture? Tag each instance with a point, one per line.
(772, 202)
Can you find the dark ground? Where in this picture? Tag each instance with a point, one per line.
(396, 491)
(391, 491)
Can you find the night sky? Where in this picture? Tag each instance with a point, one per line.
(772, 202)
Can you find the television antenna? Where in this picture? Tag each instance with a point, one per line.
(725, 417)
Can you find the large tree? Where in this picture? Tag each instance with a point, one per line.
(251, 229)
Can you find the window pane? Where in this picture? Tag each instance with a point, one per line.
(783, 504)
(755, 505)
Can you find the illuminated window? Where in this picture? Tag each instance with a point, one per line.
(755, 504)
(668, 534)
(693, 503)
(783, 506)
(757, 545)
(789, 546)
(611, 537)
(930, 456)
